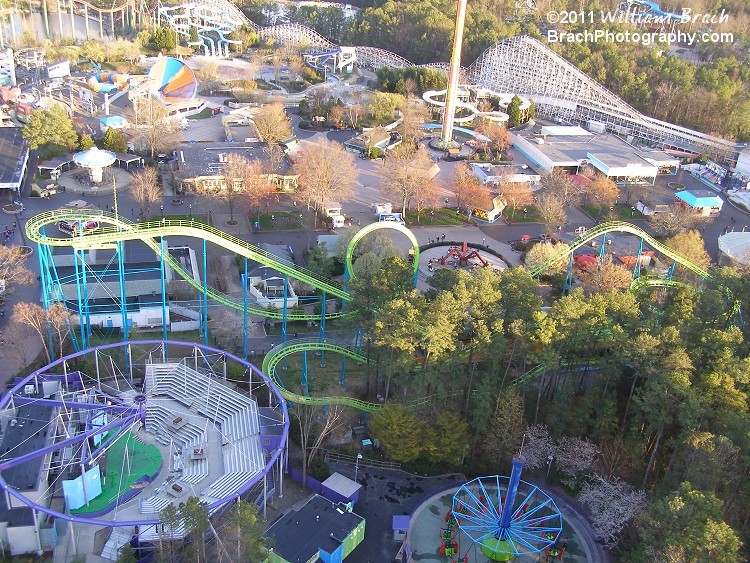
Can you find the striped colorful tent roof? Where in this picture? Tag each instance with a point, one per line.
(175, 81)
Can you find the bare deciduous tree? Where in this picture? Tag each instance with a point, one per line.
(13, 270)
(606, 276)
(326, 173)
(314, 427)
(677, 219)
(467, 189)
(602, 191)
(552, 211)
(151, 124)
(273, 125)
(36, 318)
(407, 172)
(414, 114)
(354, 113)
(560, 184)
(613, 505)
(145, 189)
(499, 136)
(516, 194)
(243, 182)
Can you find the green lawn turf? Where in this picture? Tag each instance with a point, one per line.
(437, 216)
(516, 214)
(144, 460)
(282, 220)
(621, 212)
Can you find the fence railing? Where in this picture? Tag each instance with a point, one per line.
(364, 462)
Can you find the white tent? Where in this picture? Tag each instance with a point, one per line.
(735, 248)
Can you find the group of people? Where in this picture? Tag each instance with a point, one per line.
(9, 232)
(438, 239)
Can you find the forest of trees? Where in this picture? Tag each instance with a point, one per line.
(656, 382)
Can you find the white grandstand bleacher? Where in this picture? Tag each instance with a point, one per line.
(231, 415)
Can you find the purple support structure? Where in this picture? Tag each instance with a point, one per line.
(72, 404)
(75, 379)
(63, 443)
(510, 498)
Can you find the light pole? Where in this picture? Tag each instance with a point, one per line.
(550, 459)
(191, 210)
(356, 466)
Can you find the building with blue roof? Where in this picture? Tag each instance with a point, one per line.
(705, 202)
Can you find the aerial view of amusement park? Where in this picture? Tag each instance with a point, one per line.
(388, 281)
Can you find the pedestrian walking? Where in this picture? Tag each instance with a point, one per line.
(733, 221)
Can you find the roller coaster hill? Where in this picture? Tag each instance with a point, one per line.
(101, 298)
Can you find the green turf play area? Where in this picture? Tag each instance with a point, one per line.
(144, 460)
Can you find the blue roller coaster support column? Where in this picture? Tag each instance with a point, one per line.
(602, 247)
(86, 342)
(322, 335)
(44, 280)
(637, 265)
(671, 270)
(303, 381)
(510, 498)
(342, 380)
(123, 296)
(162, 275)
(283, 313)
(568, 284)
(77, 259)
(244, 314)
(205, 294)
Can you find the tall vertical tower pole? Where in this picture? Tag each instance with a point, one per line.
(446, 138)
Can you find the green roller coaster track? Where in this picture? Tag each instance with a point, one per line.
(621, 227)
(278, 353)
(374, 227)
(121, 229)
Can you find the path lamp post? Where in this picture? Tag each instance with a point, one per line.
(161, 208)
(356, 466)
(191, 210)
(550, 459)
(632, 211)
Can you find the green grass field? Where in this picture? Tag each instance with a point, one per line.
(121, 472)
(516, 215)
(282, 221)
(437, 216)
